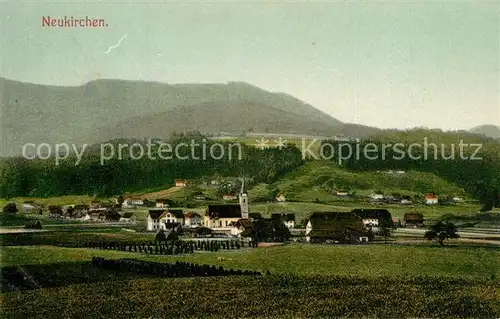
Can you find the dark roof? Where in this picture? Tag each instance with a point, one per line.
(244, 222)
(287, 217)
(323, 215)
(127, 214)
(177, 213)
(156, 213)
(171, 225)
(414, 216)
(224, 211)
(331, 228)
(111, 215)
(380, 214)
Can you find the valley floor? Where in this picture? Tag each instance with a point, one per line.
(304, 281)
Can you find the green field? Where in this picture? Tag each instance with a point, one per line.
(306, 281)
(305, 259)
(317, 179)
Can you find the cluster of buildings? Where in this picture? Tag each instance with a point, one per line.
(231, 219)
(429, 199)
(356, 226)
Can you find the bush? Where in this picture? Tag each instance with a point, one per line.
(33, 225)
(10, 209)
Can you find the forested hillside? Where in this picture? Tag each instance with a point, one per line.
(42, 178)
(474, 166)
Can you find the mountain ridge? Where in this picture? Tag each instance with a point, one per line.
(36, 113)
(489, 130)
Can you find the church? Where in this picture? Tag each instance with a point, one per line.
(223, 216)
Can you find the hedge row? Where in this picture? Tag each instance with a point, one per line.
(177, 269)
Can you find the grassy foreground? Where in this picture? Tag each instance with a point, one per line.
(265, 297)
(303, 259)
(306, 281)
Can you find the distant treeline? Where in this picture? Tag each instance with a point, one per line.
(478, 175)
(43, 178)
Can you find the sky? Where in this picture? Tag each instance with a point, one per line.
(383, 64)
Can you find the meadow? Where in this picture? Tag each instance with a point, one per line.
(305, 281)
(304, 259)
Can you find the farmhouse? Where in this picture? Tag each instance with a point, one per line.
(431, 199)
(377, 196)
(287, 218)
(172, 216)
(127, 217)
(132, 202)
(406, 200)
(413, 219)
(374, 219)
(154, 219)
(268, 229)
(92, 215)
(337, 227)
(29, 207)
(109, 215)
(228, 197)
(280, 198)
(240, 226)
(180, 183)
(161, 203)
(193, 219)
(342, 193)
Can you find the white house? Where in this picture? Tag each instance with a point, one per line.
(239, 226)
(160, 203)
(172, 216)
(132, 202)
(431, 199)
(127, 217)
(280, 198)
(376, 196)
(193, 219)
(287, 218)
(180, 182)
(342, 193)
(154, 219)
(29, 207)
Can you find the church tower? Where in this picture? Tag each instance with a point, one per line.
(243, 198)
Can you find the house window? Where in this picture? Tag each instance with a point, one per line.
(226, 222)
(220, 223)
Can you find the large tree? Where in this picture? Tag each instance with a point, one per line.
(441, 231)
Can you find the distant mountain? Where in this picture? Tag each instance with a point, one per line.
(492, 131)
(111, 109)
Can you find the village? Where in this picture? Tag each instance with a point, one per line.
(235, 218)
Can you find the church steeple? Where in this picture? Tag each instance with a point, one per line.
(243, 199)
